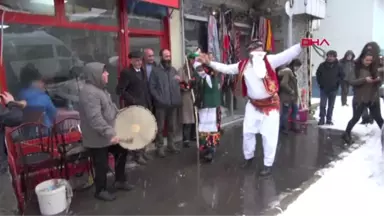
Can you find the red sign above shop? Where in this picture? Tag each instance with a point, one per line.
(167, 3)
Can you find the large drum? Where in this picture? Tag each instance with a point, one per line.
(136, 127)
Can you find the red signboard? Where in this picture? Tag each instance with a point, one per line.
(167, 3)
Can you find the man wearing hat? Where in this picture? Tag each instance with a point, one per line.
(134, 90)
(257, 80)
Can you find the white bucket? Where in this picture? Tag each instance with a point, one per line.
(54, 196)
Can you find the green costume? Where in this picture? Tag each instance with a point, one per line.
(208, 102)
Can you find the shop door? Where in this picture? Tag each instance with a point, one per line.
(139, 43)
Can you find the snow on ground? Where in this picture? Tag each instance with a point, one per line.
(355, 184)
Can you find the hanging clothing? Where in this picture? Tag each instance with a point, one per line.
(269, 45)
(213, 37)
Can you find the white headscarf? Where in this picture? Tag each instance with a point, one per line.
(202, 74)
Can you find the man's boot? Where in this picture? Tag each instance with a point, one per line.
(247, 163)
(266, 171)
(347, 138)
(160, 152)
(186, 144)
(105, 196)
(124, 186)
(321, 122)
(140, 159)
(147, 156)
(329, 122)
(171, 147)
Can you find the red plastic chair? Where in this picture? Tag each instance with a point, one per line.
(74, 158)
(30, 153)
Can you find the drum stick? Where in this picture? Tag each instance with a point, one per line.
(194, 107)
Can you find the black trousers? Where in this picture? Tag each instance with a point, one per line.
(189, 132)
(358, 109)
(100, 163)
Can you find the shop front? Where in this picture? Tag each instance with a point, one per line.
(59, 36)
(196, 36)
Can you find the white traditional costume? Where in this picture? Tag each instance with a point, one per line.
(257, 80)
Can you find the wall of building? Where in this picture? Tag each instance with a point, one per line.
(378, 19)
(346, 32)
(176, 39)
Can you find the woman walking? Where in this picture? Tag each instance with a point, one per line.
(366, 83)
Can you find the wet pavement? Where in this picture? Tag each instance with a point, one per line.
(176, 185)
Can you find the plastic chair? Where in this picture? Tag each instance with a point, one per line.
(68, 139)
(33, 153)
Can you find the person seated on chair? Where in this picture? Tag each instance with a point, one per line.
(33, 92)
(97, 119)
(289, 95)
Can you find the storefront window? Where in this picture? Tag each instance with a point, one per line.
(59, 54)
(41, 7)
(103, 12)
(145, 15)
(195, 35)
(140, 43)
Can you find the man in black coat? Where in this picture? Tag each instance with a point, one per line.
(329, 76)
(11, 115)
(134, 90)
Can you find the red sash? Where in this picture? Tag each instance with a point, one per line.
(271, 85)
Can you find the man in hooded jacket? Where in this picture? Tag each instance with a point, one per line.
(98, 114)
(348, 66)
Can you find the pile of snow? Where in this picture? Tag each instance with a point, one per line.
(355, 184)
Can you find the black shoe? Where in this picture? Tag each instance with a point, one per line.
(284, 131)
(186, 144)
(208, 157)
(147, 156)
(160, 152)
(247, 163)
(140, 160)
(125, 186)
(329, 122)
(347, 138)
(266, 171)
(105, 196)
(173, 149)
(321, 122)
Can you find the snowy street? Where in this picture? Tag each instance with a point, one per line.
(353, 185)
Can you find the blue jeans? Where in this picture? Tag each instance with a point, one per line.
(285, 113)
(327, 98)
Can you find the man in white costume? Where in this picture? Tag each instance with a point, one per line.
(257, 80)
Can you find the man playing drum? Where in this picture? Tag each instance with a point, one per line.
(257, 79)
(98, 115)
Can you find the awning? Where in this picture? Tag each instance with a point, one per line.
(167, 3)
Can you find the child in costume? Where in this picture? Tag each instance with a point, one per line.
(208, 101)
